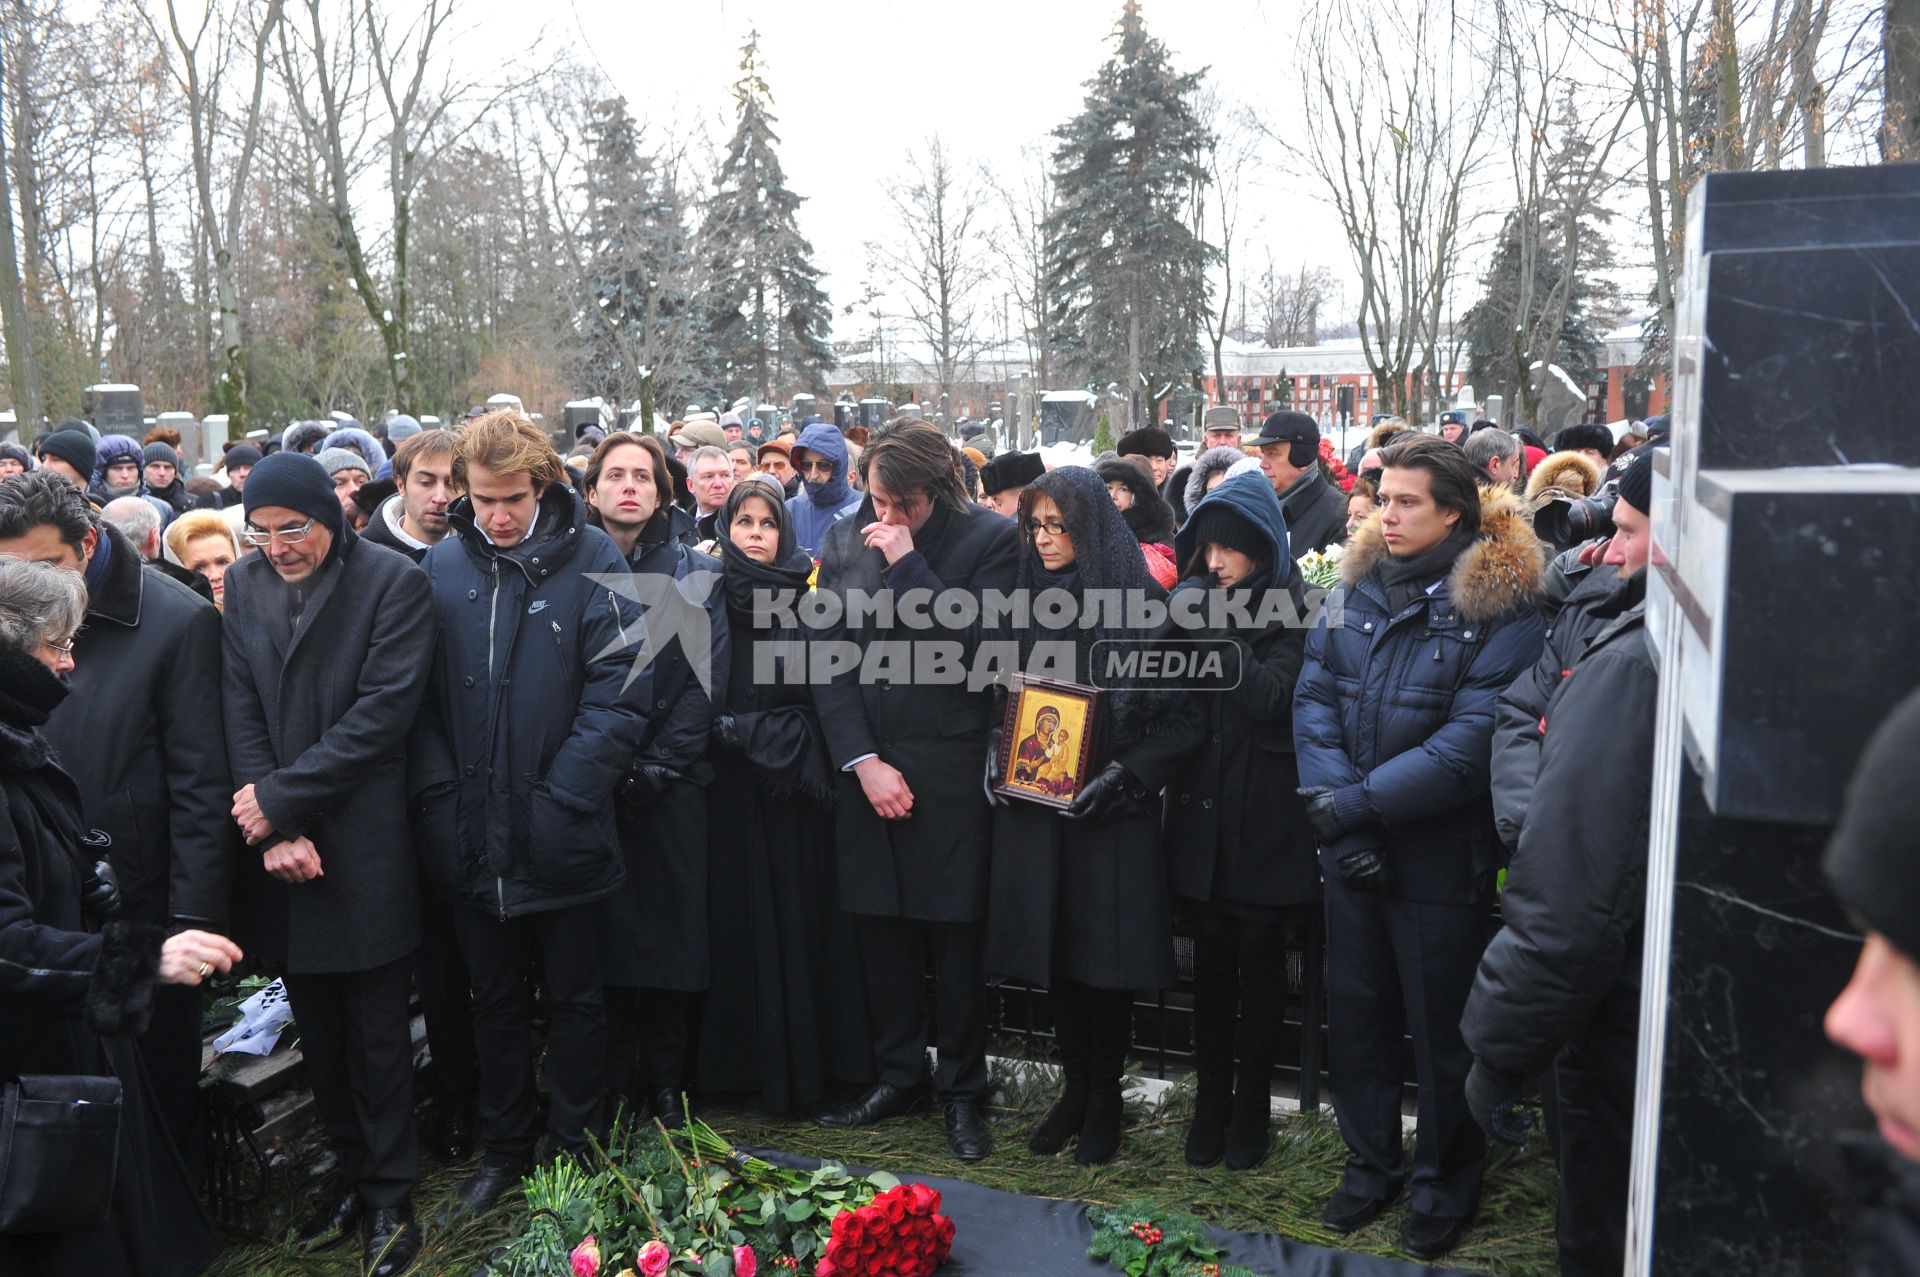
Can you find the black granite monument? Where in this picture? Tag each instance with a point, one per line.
(1785, 608)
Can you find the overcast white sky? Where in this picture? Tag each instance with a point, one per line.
(856, 83)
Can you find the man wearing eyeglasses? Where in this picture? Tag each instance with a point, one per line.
(329, 642)
(141, 733)
(820, 459)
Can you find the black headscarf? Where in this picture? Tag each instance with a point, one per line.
(1106, 556)
(743, 575)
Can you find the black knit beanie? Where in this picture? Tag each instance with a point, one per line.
(294, 481)
(74, 447)
(160, 450)
(242, 454)
(1219, 523)
(1636, 485)
(1870, 860)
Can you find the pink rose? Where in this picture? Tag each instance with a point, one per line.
(745, 1262)
(653, 1258)
(586, 1258)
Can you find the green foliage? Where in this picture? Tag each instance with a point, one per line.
(1103, 436)
(1127, 274)
(1143, 1240)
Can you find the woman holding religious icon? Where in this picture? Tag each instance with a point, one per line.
(1077, 899)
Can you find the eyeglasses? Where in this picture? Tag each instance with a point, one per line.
(287, 536)
(1052, 527)
(822, 468)
(65, 649)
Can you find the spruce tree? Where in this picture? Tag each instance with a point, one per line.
(1126, 273)
(641, 341)
(768, 320)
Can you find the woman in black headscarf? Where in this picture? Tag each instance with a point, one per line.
(785, 1013)
(1078, 899)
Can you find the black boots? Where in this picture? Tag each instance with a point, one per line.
(1111, 1033)
(390, 1240)
(1233, 1101)
(1072, 1038)
(1092, 1028)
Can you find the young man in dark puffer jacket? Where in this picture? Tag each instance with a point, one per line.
(1393, 724)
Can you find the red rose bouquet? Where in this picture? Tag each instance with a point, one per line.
(900, 1231)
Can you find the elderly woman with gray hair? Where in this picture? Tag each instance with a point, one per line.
(76, 986)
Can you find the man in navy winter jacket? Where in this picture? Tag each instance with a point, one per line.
(1393, 725)
(535, 712)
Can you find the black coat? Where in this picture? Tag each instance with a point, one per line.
(933, 865)
(1400, 702)
(63, 986)
(1235, 824)
(317, 720)
(1316, 515)
(535, 715)
(175, 494)
(143, 730)
(654, 929)
(1576, 890)
(1522, 708)
(781, 1024)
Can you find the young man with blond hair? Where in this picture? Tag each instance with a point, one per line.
(534, 711)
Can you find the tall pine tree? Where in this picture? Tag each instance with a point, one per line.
(643, 339)
(768, 319)
(1127, 275)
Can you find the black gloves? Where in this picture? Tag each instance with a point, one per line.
(1110, 793)
(645, 782)
(1494, 1100)
(100, 894)
(1366, 869)
(725, 733)
(991, 777)
(1334, 813)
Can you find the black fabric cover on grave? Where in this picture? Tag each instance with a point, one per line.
(998, 1234)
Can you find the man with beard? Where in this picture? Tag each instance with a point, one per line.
(414, 519)
(912, 826)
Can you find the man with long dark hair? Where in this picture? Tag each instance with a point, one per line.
(912, 826)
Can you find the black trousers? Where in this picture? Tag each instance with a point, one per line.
(359, 1053)
(896, 952)
(1402, 966)
(1594, 1074)
(498, 956)
(446, 1003)
(653, 1029)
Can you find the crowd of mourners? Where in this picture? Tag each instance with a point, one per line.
(393, 713)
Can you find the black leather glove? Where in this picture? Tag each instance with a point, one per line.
(1335, 813)
(1366, 870)
(725, 733)
(991, 776)
(645, 782)
(100, 894)
(1110, 793)
(1494, 1100)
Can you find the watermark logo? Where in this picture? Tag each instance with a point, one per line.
(1167, 665)
(670, 610)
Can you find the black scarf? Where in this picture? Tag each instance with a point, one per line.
(29, 691)
(1406, 580)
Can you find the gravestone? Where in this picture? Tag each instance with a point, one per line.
(1784, 607)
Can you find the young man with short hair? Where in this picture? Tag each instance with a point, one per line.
(534, 713)
(414, 519)
(1393, 719)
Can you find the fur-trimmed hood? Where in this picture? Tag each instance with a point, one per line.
(1501, 572)
(1378, 436)
(1570, 472)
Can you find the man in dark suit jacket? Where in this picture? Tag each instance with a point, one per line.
(141, 733)
(329, 643)
(912, 826)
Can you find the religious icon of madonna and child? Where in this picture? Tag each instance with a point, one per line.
(1049, 726)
